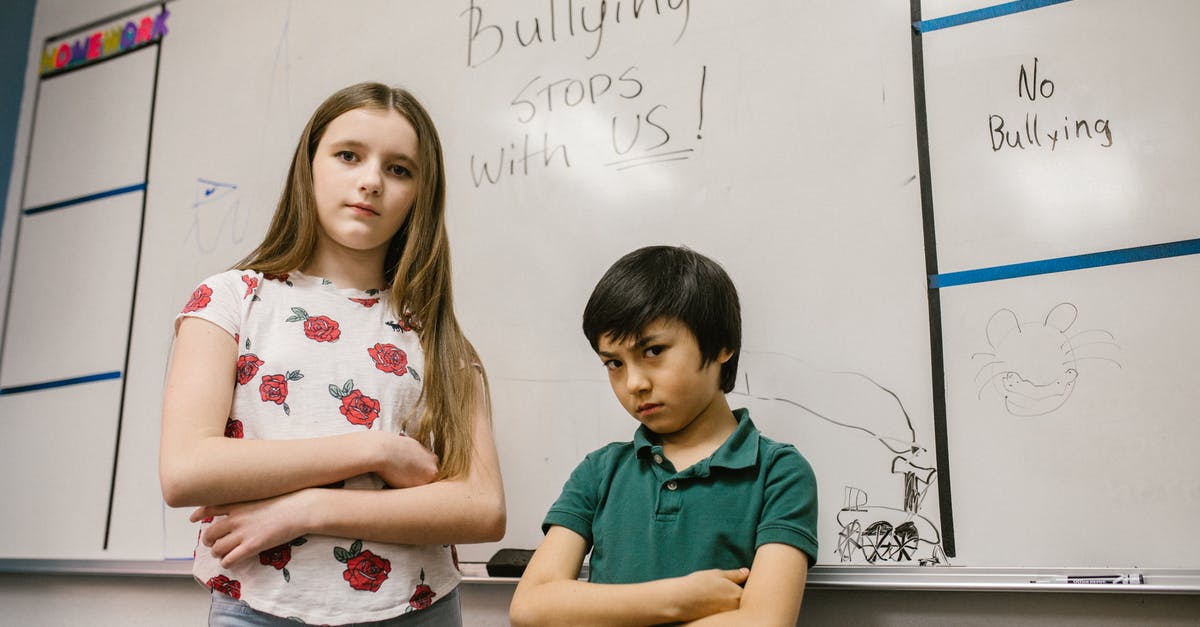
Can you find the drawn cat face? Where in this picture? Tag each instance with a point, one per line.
(1034, 364)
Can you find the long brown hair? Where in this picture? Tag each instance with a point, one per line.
(417, 266)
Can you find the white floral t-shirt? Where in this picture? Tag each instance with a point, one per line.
(317, 360)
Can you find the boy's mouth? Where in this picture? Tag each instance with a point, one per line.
(648, 408)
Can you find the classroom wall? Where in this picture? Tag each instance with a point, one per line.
(46, 600)
(16, 22)
(34, 600)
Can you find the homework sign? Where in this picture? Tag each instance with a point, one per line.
(107, 40)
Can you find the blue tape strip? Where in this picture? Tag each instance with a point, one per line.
(986, 13)
(1065, 264)
(89, 198)
(103, 376)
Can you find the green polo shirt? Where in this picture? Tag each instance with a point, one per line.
(645, 521)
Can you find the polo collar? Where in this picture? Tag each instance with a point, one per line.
(740, 449)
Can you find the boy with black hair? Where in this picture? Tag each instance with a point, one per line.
(700, 518)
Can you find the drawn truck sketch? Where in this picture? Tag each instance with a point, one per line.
(1034, 366)
(895, 532)
(880, 533)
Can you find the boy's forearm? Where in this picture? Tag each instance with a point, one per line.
(570, 603)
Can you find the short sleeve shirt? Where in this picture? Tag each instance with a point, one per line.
(317, 360)
(644, 520)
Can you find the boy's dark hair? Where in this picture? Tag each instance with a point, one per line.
(674, 283)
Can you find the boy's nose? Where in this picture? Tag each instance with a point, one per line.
(636, 380)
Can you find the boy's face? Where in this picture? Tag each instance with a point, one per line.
(658, 378)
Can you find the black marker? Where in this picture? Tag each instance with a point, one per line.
(1135, 578)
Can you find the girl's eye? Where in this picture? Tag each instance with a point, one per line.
(399, 170)
(346, 155)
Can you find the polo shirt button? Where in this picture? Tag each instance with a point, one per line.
(671, 485)
(657, 458)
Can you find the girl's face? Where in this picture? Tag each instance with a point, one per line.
(364, 180)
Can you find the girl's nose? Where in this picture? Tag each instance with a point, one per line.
(370, 182)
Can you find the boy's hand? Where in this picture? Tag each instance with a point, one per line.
(707, 592)
(404, 462)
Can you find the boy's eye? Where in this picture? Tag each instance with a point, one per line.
(655, 351)
(612, 364)
(346, 155)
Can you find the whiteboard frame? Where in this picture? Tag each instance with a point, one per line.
(935, 578)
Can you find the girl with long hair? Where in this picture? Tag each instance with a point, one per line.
(323, 408)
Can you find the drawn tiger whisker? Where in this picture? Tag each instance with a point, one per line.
(1090, 331)
(988, 383)
(985, 367)
(1075, 347)
(1111, 361)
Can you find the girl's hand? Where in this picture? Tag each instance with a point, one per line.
(404, 463)
(250, 528)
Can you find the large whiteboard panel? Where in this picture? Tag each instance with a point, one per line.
(56, 471)
(707, 126)
(70, 308)
(92, 130)
(1045, 145)
(1101, 469)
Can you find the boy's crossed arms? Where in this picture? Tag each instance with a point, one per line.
(550, 594)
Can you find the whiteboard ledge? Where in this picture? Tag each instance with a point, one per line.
(133, 568)
(1158, 580)
(938, 578)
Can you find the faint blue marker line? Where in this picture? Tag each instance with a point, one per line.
(986, 13)
(1066, 264)
(32, 387)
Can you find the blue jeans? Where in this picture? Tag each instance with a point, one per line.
(227, 611)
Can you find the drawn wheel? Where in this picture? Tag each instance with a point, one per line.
(906, 538)
(849, 539)
(877, 541)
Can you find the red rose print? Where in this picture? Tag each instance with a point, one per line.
(366, 302)
(322, 329)
(319, 328)
(422, 596)
(277, 557)
(273, 389)
(200, 299)
(225, 585)
(247, 367)
(389, 358)
(360, 409)
(251, 283)
(366, 571)
(233, 428)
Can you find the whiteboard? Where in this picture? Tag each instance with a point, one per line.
(781, 140)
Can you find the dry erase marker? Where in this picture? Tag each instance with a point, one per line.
(1135, 578)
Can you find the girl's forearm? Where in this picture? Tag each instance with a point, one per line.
(217, 470)
(459, 510)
